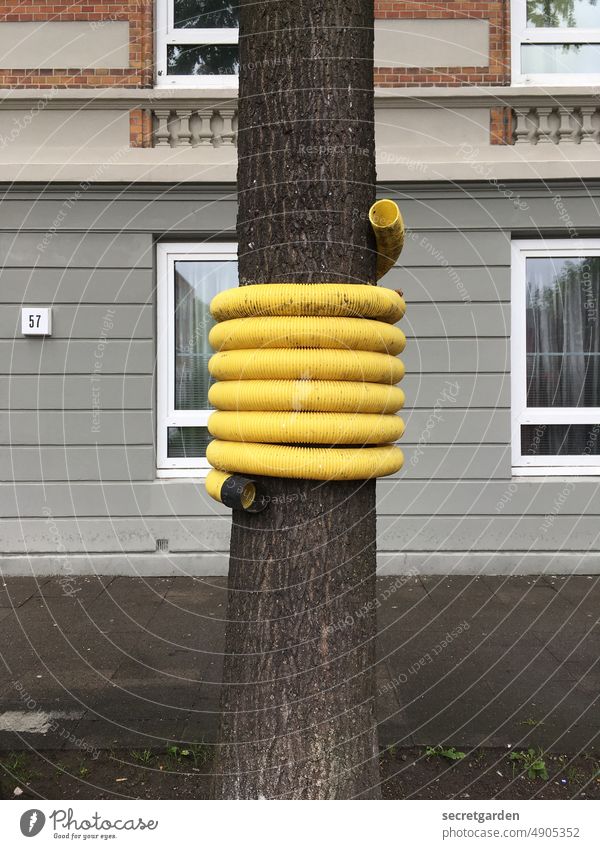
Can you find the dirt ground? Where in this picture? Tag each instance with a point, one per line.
(406, 773)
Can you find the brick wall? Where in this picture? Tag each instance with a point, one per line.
(497, 12)
(139, 13)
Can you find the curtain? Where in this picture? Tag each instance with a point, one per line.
(563, 346)
(196, 283)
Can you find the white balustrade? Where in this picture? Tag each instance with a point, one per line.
(181, 127)
(556, 124)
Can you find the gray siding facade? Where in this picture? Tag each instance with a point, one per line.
(78, 485)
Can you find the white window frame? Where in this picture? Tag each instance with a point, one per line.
(522, 34)
(167, 255)
(167, 34)
(521, 413)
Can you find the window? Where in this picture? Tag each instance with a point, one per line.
(556, 42)
(197, 43)
(188, 278)
(556, 357)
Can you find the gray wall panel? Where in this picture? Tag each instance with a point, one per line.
(465, 319)
(476, 211)
(485, 354)
(455, 493)
(439, 248)
(457, 390)
(113, 535)
(94, 427)
(521, 496)
(396, 496)
(460, 284)
(156, 498)
(36, 356)
(63, 249)
(86, 322)
(158, 212)
(77, 464)
(455, 462)
(456, 426)
(74, 392)
(488, 533)
(47, 286)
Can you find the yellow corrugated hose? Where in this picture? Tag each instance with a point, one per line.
(306, 376)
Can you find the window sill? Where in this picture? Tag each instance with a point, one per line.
(555, 471)
(184, 474)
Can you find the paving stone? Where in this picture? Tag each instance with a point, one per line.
(461, 659)
(16, 591)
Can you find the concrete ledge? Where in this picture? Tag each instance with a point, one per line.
(204, 565)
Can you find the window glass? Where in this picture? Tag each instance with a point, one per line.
(560, 58)
(196, 283)
(560, 439)
(205, 14)
(584, 14)
(184, 442)
(205, 59)
(563, 332)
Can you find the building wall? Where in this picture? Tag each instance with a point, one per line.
(91, 44)
(76, 45)
(78, 490)
(467, 41)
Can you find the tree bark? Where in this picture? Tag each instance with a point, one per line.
(298, 712)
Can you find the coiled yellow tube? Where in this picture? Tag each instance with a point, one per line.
(307, 331)
(317, 428)
(303, 363)
(325, 299)
(302, 369)
(326, 396)
(319, 464)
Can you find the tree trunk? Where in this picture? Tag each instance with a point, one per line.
(298, 711)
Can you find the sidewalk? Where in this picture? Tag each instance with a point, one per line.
(467, 661)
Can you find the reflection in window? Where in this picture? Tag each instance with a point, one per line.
(560, 439)
(196, 283)
(560, 58)
(184, 442)
(206, 59)
(583, 14)
(204, 14)
(563, 332)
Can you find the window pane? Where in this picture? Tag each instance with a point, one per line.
(188, 442)
(560, 58)
(563, 332)
(196, 283)
(563, 13)
(206, 59)
(558, 439)
(202, 14)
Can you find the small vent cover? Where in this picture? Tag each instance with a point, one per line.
(162, 544)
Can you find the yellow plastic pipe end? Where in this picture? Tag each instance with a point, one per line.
(388, 228)
(234, 491)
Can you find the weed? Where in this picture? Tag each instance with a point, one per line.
(532, 723)
(144, 756)
(531, 762)
(449, 753)
(17, 767)
(575, 775)
(198, 753)
(478, 757)
(83, 769)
